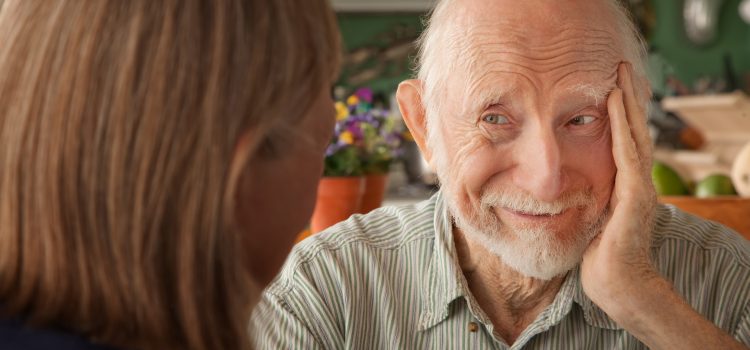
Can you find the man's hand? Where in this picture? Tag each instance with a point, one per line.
(619, 258)
(617, 273)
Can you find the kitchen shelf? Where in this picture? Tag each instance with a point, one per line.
(720, 117)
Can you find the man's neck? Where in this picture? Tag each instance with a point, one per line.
(511, 300)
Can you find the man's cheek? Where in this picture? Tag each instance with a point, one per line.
(485, 166)
(594, 166)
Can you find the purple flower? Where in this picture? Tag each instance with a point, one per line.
(338, 129)
(356, 131)
(392, 138)
(398, 152)
(362, 118)
(364, 94)
(332, 149)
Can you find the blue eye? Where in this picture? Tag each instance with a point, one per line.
(582, 120)
(496, 119)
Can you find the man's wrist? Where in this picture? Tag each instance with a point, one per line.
(658, 316)
(631, 307)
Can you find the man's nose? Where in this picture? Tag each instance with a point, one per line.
(539, 168)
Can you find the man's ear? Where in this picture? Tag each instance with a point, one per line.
(409, 97)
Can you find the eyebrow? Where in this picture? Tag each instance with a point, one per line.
(493, 96)
(596, 92)
(487, 97)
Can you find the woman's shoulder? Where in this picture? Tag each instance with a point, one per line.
(15, 335)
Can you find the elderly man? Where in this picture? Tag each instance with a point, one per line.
(546, 232)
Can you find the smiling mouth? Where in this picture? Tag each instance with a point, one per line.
(534, 215)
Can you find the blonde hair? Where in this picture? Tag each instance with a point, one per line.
(119, 123)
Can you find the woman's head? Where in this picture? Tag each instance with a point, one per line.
(131, 137)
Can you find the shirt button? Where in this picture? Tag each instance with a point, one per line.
(473, 327)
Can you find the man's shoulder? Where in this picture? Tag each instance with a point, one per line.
(676, 231)
(391, 229)
(387, 227)
(707, 263)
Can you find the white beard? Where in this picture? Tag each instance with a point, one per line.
(533, 251)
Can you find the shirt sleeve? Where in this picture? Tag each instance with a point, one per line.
(743, 329)
(302, 309)
(274, 325)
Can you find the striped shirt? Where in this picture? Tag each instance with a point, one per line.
(391, 280)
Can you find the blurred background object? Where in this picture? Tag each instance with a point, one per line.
(386, 6)
(741, 171)
(643, 14)
(729, 211)
(718, 124)
(745, 10)
(701, 20)
(697, 48)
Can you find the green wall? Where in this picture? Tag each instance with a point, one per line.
(668, 37)
(690, 61)
(362, 30)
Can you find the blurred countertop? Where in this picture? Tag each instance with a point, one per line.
(401, 192)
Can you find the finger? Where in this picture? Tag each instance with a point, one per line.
(634, 112)
(623, 146)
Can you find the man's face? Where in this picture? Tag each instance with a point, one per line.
(528, 167)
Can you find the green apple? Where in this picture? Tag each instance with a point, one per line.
(715, 185)
(667, 182)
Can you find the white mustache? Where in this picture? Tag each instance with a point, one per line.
(524, 203)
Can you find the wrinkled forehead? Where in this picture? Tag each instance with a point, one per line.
(554, 54)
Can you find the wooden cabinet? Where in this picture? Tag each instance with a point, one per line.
(733, 212)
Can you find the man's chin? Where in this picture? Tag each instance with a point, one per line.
(548, 253)
(542, 261)
(541, 248)
(540, 252)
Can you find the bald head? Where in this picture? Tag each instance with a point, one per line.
(532, 36)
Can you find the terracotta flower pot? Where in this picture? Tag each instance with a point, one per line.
(302, 235)
(374, 192)
(338, 198)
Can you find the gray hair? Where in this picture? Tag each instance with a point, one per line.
(434, 60)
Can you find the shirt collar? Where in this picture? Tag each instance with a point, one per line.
(444, 281)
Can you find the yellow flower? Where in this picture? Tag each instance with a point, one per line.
(353, 100)
(346, 137)
(341, 111)
(407, 136)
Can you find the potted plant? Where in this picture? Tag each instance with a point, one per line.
(364, 144)
(382, 141)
